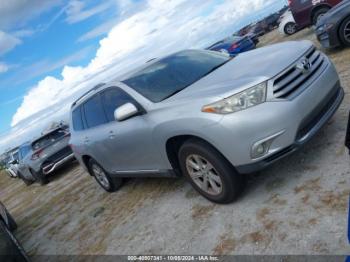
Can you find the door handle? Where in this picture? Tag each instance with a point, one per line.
(111, 135)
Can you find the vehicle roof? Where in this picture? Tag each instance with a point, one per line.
(102, 86)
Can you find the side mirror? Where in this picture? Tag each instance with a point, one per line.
(125, 111)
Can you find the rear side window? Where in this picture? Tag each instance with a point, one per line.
(94, 113)
(114, 98)
(77, 119)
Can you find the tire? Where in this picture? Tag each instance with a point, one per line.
(25, 181)
(344, 32)
(317, 15)
(40, 177)
(12, 225)
(103, 178)
(223, 183)
(290, 28)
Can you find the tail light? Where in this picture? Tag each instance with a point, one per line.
(289, 2)
(37, 154)
(233, 47)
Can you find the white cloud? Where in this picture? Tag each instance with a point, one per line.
(76, 11)
(7, 42)
(98, 31)
(14, 13)
(3, 67)
(161, 27)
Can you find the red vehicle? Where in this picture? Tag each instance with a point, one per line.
(308, 12)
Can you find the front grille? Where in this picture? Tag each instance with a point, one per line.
(315, 117)
(60, 154)
(293, 79)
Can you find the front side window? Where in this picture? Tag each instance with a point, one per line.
(114, 98)
(172, 74)
(94, 113)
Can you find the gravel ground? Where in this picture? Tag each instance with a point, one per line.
(297, 206)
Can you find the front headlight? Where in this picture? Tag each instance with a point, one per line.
(248, 98)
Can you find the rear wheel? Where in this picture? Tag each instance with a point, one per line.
(26, 181)
(103, 178)
(344, 32)
(290, 28)
(209, 172)
(318, 14)
(40, 177)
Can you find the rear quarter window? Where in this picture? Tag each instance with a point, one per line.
(77, 119)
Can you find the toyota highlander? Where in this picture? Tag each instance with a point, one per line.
(206, 116)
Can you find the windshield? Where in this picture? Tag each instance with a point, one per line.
(172, 74)
(49, 139)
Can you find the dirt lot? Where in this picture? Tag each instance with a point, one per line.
(297, 206)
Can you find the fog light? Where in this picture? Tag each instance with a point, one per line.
(262, 147)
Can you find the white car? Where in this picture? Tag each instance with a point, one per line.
(288, 25)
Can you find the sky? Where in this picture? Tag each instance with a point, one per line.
(53, 51)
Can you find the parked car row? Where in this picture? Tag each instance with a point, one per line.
(37, 159)
(331, 19)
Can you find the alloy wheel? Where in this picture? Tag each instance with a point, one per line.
(290, 28)
(101, 176)
(203, 174)
(347, 31)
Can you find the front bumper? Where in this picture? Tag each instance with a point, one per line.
(328, 39)
(321, 116)
(296, 120)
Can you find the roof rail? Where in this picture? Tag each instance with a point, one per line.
(88, 92)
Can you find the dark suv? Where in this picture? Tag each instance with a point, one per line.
(308, 12)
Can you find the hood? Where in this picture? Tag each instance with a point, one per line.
(247, 69)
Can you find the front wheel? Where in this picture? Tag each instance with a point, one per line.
(103, 178)
(344, 32)
(318, 14)
(209, 172)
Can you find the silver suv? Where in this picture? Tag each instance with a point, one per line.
(44, 155)
(205, 116)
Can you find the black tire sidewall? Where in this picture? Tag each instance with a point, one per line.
(39, 177)
(25, 181)
(11, 222)
(285, 28)
(114, 183)
(341, 32)
(319, 12)
(231, 180)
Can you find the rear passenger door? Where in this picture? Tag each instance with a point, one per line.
(129, 142)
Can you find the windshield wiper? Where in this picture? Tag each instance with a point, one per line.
(215, 67)
(173, 93)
